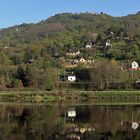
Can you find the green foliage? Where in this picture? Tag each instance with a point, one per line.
(107, 72)
(31, 53)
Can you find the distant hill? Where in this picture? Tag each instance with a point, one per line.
(97, 48)
(69, 25)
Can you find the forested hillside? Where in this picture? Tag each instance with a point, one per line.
(42, 55)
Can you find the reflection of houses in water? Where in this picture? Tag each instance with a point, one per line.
(135, 125)
(73, 137)
(71, 78)
(71, 113)
(73, 126)
(131, 124)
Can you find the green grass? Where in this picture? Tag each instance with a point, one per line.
(97, 96)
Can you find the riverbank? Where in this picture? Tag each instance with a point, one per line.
(96, 96)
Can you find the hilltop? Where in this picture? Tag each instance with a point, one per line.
(69, 26)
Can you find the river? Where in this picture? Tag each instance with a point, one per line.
(62, 121)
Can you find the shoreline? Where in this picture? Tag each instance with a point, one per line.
(87, 96)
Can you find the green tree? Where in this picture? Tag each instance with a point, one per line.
(107, 72)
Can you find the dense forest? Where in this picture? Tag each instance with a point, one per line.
(96, 48)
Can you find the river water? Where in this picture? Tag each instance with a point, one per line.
(61, 121)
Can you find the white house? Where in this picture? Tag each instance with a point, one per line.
(77, 53)
(75, 61)
(108, 43)
(82, 60)
(135, 65)
(94, 13)
(72, 78)
(89, 61)
(73, 53)
(6, 47)
(17, 29)
(88, 46)
(135, 125)
(71, 113)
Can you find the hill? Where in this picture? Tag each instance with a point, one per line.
(35, 54)
(70, 26)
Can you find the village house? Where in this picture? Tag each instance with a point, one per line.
(108, 43)
(72, 62)
(88, 46)
(117, 37)
(71, 113)
(71, 78)
(75, 61)
(89, 61)
(94, 13)
(111, 33)
(82, 60)
(73, 53)
(135, 65)
(6, 47)
(126, 38)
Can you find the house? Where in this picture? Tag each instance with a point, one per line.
(94, 13)
(75, 62)
(135, 65)
(82, 60)
(117, 37)
(89, 61)
(111, 33)
(108, 43)
(71, 113)
(73, 137)
(73, 53)
(77, 53)
(6, 47)
(126, 38)
(135, 125)
(88, 46)
(71, 78)
(17, 29)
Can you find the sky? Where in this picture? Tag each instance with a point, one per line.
(15, 12)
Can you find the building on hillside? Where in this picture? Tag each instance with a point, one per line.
(88, 46)
(108, 43)
(82, 60)
(126, 38)
(88, 61)
(72, 53)
(71, 78)
(75, 61)
(135, 65)
(94, 13)
(71, 113)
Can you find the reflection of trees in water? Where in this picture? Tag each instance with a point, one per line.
(26, 115)
(106, 120)
(33, 122)
(47, 123)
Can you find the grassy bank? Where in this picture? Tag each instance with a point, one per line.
(97, 96)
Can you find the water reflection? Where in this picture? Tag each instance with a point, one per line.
(63, 122)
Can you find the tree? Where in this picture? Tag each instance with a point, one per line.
(50, 79)
(106, 73)
(24, 73)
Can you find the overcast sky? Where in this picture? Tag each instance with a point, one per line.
(13, 12)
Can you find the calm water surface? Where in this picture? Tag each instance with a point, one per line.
(69, 122)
